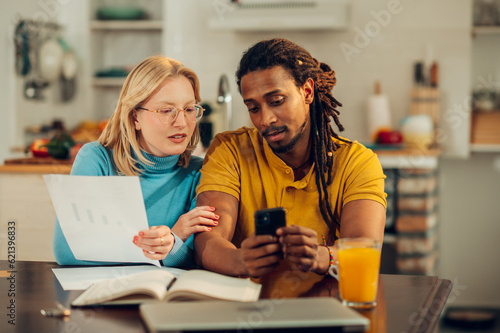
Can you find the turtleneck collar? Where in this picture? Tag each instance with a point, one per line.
(160, 164)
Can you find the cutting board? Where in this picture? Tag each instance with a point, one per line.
(37, 161)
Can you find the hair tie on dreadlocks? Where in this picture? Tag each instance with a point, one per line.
(326, 79)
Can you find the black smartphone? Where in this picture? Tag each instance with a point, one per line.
(268, 220)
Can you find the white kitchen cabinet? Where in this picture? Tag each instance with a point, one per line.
(25, 200)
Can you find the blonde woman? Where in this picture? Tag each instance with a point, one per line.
(152, 134)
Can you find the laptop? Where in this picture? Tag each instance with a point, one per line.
(265, 314)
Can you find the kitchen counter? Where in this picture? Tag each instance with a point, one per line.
(38, 165)
(408, 152)
(41, 168)
(389, 158)
(408, 158)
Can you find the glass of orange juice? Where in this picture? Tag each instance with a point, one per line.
(357, 271)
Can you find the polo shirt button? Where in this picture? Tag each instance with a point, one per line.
(287, 171)
(289, 189)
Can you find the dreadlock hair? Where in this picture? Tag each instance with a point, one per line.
(299, 63)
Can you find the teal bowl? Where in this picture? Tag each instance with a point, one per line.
(120, 13)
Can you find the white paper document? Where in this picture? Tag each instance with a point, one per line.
(99, 216)
(80, 278)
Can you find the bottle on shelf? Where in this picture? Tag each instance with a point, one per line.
(379, 117)
(434, 75)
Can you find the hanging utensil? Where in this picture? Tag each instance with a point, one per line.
(35, 84)
(68, 77)
(69, 65)
(33, 89)
(21, 41)
(41, 64)
(50, 56)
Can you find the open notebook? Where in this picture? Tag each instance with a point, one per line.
(310, 312)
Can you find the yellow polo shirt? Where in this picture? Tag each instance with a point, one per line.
(242, 164)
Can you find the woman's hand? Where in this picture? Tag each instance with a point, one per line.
(156, 242)
(199, 219)
(300, 246)
(260, 254)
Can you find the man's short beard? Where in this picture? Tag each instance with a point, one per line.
(288, 147)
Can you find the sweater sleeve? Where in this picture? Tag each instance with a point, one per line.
(180, 256)
(90, 161)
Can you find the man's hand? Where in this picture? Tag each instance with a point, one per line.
(300, 246)
(260, 254)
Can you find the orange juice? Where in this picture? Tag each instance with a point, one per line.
(358, 269)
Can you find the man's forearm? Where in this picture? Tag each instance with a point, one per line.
(213, 249)
(217, 254)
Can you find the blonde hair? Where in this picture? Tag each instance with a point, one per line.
(143, 82)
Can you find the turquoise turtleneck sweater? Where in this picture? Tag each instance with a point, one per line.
(169, 191)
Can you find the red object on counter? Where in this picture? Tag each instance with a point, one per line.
(389, 137)
(39, 148)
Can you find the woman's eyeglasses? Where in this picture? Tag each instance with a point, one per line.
(168, 115)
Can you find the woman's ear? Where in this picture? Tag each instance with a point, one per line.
(308, 88)
(136, 122)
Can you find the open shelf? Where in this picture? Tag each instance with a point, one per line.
(485, 147)
(146, 25)
(119, 44)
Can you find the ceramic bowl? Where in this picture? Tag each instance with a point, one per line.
(120, 13)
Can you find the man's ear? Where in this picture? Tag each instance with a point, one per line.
(308, 88)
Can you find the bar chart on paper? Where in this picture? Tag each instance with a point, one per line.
(108, 210)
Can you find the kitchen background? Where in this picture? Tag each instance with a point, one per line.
(376, 40)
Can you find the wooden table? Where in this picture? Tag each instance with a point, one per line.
(404, 303)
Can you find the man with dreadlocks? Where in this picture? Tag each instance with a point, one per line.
(330, 187)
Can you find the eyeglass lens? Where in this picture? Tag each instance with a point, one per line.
(169, 115)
